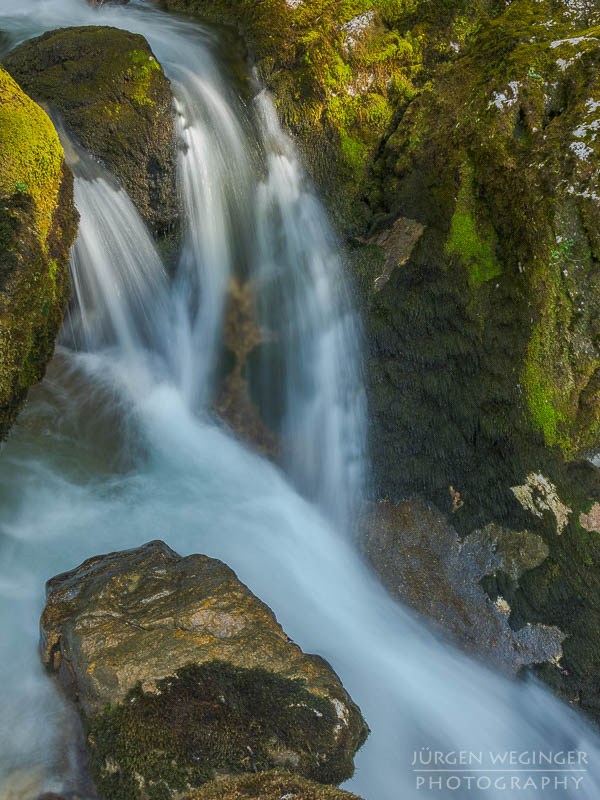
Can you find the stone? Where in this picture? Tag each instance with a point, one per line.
(591, 520)
(38, 224)
(537, 495)
(423, 563)
(110, 90)
(182, 674)
(242, 334)
(398, 242)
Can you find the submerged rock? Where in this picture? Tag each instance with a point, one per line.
(423, 563)
(113, 95)
(182, 674)
(242, 334)
(38, 223)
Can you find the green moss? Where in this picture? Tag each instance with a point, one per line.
(114, 97)
(475, 247)
(209, 719)
(31, 153)
(268, 786)
(37, 228)
(144, 64)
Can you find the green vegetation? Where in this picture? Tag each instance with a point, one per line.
(37, 227)
(475, 249)
(31, 153)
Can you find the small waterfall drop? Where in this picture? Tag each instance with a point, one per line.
(119, 283)
(303, 296)
(215, 178)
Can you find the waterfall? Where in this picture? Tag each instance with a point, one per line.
(215, 177)
(303, 295)
(119, 283)
(145, 352)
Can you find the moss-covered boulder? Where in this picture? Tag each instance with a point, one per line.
(113, 95)
(38, 223)
(182, 674)
(272, 785)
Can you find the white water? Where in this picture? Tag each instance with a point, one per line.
(119, 284)
(113, 449)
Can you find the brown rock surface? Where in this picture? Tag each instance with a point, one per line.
(182, 674)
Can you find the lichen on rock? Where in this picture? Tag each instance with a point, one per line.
(182, 675)
(114, 97)
(423, 562)
(38, 224)
(538, 495)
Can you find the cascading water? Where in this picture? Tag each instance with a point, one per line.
(216, 176)
(299, 284)
(118, 278)
(65, 495)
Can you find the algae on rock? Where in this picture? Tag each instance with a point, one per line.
(112, 93)
(38, 223)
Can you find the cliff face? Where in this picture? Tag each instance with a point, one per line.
(484, 362)
(38, 224)
(112, 93)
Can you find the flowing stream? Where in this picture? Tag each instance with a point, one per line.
(119, 445)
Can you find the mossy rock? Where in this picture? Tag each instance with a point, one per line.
(269, 786)
(113, 95)
(182, 675)
(496, 307)
(485, 345)
(207, 720)
(339, 72)
(38, 223)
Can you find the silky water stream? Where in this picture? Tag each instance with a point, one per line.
(119, 446)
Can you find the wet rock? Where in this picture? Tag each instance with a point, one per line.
(114, 97)
(181, 674)
(38, 223)
(269, 786)
(397, 242)
(423, 563)
(538, 495)
(242, 334)
(108, 2)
